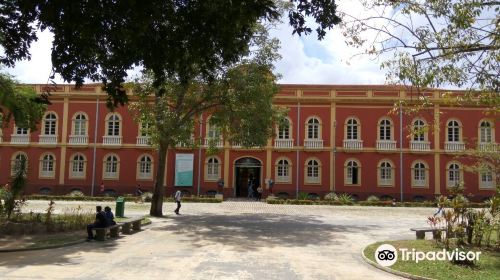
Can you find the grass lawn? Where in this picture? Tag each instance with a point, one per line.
(488, 266)
(40, 240)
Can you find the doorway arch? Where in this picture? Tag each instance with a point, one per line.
(245, 168)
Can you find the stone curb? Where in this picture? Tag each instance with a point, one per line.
(54, 246)
(392, 271)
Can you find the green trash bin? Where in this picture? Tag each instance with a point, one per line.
(120, 207)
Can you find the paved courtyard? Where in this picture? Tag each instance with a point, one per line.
(232, 240)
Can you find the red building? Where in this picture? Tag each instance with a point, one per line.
(338, 138)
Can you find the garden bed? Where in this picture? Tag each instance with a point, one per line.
(364, 203)
(110, 198)
(488, 266)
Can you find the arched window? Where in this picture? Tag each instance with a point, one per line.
(18, 163)
(487, 178)
(145, 166)
(419, 128)
(313, 171)
(454, 174)
(385, 127)
(284, 129)
(352, 129)
(485, 132)
(47, 169)
(212, 169)
(453, 131)
(313, 128)
(80, 125)
(419, 174)
(78, 166)
(283, 171)
(352, 173)
(113, 125)
(49, 124)
(111, 167)
(386, 174)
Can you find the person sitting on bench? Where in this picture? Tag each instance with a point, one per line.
(110, 218)
(100, 222)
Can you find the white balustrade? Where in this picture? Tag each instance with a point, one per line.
(142, 140)
(19, 139)
(283, 143)
(313, 144)
(47, 174)
(47, 139)
(419, 183)
(454, 146)
(386, 182)
(187, 144)
(112, 140)
(217, 142)
(420, 146)
(78, 139)
(110, 175)
(353, 144)
(386, 145)
(487, 147)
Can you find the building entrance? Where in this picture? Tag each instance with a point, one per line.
(246, 169)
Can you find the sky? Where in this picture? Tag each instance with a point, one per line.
(305, 59)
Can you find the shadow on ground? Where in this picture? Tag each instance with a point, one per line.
(57, 256)
(244, 232)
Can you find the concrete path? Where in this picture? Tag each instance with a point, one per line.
(232, 240)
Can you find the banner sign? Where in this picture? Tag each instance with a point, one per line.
(184, 170)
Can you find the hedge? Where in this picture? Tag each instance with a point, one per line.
(110, 198)
(366, 203)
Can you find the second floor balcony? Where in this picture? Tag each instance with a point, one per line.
(78, 139)
(142, 141)
(420, 146)
(216, 142)
(487, 147)
(112, 140)
(283, 143)
(353, 144)
(47, 139)
(386, 145)
(313, 143)
(19, 139)
(454, 146)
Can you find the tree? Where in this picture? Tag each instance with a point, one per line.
(171, 117)
(20, 103)
(101, 40)
(434, 43)
(178, 42)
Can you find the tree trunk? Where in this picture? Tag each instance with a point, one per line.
(159, 191)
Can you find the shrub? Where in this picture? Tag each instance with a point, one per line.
(331, 196)
(345, 199)
(76, 193)
(147, 197)
(302, 196)
(372, 198)
(386, 198)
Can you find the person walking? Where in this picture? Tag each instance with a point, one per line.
(177, 198)
(250, 187)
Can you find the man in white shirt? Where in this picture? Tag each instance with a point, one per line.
(177, 198)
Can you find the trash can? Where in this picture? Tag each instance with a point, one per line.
(120, 207)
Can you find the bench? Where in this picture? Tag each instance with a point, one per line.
(134, 222)
(114, 231)
(420, 232)
(127, 226)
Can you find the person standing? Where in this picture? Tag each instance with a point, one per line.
(101, 188)
(177, 198)
(100, 222)
(259, 193)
